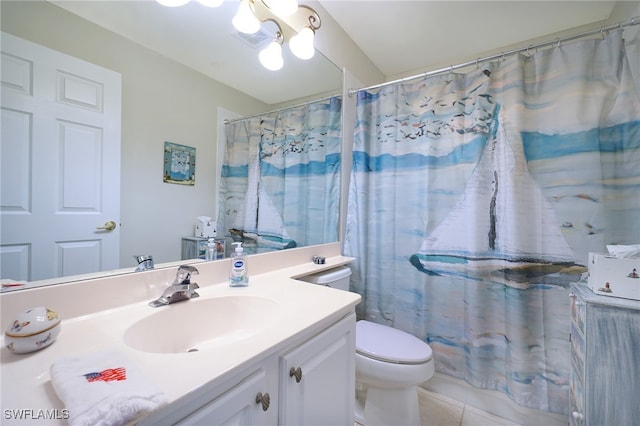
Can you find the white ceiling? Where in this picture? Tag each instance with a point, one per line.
(399, 37)
(406, 36)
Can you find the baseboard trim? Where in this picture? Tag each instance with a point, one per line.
(494, 402)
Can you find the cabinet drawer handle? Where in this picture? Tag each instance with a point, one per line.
(263, 399)
(297, 373)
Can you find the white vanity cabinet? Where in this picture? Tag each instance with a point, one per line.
(309, 380)
(317, 379)
(252, 401)
(240, 399)
(605, 368)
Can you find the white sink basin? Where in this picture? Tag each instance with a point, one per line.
(198, 324)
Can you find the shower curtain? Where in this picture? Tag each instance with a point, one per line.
(280, 179)
(475, 200)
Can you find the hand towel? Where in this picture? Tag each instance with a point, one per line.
(103, 388)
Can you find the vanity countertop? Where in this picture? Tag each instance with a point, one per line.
(302, 307)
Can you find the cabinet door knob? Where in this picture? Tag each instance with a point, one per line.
(263, 399)
(297, 373)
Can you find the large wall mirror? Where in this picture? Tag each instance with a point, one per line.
(183, 71)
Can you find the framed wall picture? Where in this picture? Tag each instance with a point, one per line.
(179, 164)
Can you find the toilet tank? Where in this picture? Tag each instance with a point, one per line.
(335, 278)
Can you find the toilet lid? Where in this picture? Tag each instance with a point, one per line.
(390, 345)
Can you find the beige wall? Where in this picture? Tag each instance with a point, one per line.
(338, 47)
(161, 101)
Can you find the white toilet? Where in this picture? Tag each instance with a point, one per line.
(390, 364)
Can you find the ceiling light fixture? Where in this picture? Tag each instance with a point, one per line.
(302, 20)
(282, 8)
(301, 44)
(271, 56)
(245, 21)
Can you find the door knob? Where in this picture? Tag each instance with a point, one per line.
(108, 226)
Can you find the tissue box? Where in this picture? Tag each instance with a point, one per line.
(205, 231)
(613, 276)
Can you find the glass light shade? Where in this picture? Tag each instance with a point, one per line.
(301, 44)
(282, 7)
(210, 3)
(245, 21)
(271, 56)
(173, 3)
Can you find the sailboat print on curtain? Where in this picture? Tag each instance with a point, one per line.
(424, 162)
(498, 227)
(280, 178)
(258, 219)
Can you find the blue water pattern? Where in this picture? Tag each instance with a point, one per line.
(537, 146)
(329, 166)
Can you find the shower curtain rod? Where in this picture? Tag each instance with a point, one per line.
(226, 121)
(557, 41)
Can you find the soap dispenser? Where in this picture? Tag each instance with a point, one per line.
(239, 275)
(211, 253)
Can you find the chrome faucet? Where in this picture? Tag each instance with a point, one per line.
(181, 289)
(145, 262)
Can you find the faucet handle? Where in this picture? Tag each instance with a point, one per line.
(183, 276)
(142, 257)
(145, 262)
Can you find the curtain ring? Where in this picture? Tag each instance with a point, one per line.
(602, 33)
(558, 40)
(503, 56)
(477, 63)
(451, 69)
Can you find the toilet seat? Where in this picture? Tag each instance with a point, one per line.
(387, 344)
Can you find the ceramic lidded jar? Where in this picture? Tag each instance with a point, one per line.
(32, 330)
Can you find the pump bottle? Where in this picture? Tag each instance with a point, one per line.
(238, 276)
(211, 253)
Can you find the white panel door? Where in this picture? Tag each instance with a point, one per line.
(60, 163)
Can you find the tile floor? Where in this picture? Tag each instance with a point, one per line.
(440, 410)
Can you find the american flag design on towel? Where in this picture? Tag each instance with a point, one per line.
(108, 375)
